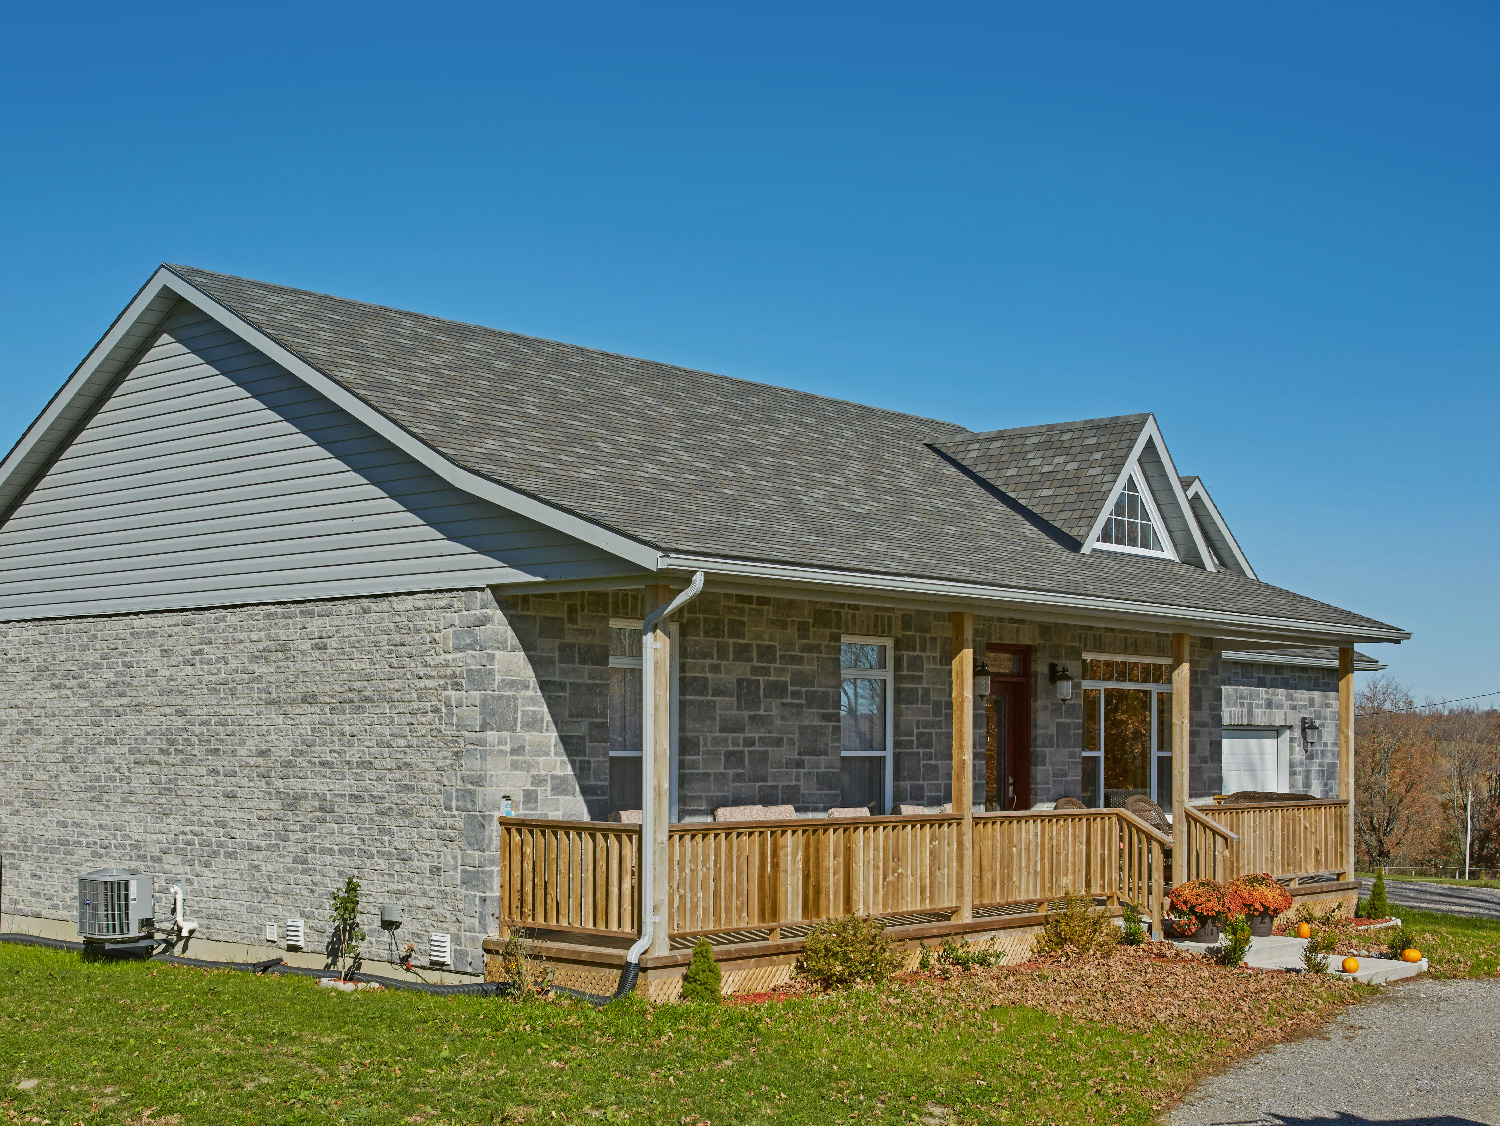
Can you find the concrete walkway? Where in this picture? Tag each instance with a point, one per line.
(1423, 1053)
(1451, 900)
(1281, 953)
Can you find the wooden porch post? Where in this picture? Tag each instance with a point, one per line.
(1182, 733)
(1346, 753)
(963, 759)
(661, 777)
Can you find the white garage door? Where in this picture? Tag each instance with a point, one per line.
(1254, 759)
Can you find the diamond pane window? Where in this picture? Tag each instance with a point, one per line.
(1129, 523)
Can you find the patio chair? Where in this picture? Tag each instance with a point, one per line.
(906, 809)
(1069, 803)
(849, 811)
(740, 813)
(1149, 812)
(626, 816)
(1256, 797)
(779, 812)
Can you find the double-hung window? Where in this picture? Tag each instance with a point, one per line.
(866, 723)
(625, 723)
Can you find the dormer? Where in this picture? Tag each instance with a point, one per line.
(1148, 512)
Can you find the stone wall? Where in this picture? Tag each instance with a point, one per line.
(260, 754)
(1262, 695)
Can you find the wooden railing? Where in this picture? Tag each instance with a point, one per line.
(1286, 839)
(767, 874)
(764, 875)
(1205, 844)
(569, 875)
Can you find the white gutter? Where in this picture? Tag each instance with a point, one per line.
(648, 775)
(1145, 614)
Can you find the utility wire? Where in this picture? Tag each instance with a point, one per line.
(1438, 704)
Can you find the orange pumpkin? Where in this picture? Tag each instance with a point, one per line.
(1304, 931)
(1411, 954)
(1351, 965)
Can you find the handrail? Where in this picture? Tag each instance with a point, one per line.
(554, 823)
(1151, 831)
(1321, 803)
(1212, 826)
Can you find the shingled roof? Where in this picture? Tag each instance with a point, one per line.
(698, 465)
(1065, 472)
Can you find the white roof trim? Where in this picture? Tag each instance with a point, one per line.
(1197, 491)
(135, 327)
(1151, 434)
(1271, 657)
(1056, 607)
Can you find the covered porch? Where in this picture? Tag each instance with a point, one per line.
(576, 891)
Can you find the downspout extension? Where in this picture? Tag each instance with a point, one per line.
(632, 971)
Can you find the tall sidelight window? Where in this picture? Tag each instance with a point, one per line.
(1127, 730)
(865, 722)
(625, 725)
(1132, 523)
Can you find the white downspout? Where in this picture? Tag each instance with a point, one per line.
(648, 773)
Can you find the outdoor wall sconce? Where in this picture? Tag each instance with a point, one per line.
(982, 678)
(1062, 679)
(1309, 731)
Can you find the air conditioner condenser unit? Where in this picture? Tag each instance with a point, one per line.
(115, 906)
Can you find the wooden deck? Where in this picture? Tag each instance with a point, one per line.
(758, 886)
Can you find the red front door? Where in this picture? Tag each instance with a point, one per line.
(1007, 729)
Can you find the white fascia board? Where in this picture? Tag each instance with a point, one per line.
(1151, 433)
(1197, 491)
(1040, 604)
(1271, 657)
(69, 404)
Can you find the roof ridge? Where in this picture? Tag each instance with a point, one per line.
(1042, 427)
(963, 431)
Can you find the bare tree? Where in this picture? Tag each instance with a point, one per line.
(1468, 755)
(1393, 800)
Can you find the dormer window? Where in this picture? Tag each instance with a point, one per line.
(1132, 522)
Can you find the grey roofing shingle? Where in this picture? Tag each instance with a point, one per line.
(696, 463)
(1306, 655)
(1064, 471)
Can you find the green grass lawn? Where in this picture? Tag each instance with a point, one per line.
(153, 1043)
(1454, 882)
(1455, 945)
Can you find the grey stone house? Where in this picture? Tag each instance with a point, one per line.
(294, 587)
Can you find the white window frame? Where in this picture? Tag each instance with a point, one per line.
(888, 675)
(1157, 754)
(1162, 534)
(638, 663)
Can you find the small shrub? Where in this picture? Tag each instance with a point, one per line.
(1400, 938)
(843, 952)
(531, 976)
(1236, 942)
(343, 944)
(965, 956)
(1324, 941)
(1132, 933)
(1260, 894)
(1076, 930)
(1377, 906)
(1208, 901)
(703, 981)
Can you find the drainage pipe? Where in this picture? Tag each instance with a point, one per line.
(649, 811)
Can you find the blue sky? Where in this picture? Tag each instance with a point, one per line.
(1274, 225)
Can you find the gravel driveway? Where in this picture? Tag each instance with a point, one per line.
(1424, 1052)
(1447, 898)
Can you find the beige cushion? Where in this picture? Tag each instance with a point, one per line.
(740, 813)
(910, 810)
(626, 816)
(779, 812)
(849, 811)
(946, 807)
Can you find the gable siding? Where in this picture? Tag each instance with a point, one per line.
(213, 476)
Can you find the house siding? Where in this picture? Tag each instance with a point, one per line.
(1266, 695)
(211, 476)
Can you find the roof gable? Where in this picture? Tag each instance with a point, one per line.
(1225, 548)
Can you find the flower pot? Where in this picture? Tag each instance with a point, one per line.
(1206, 932)
(1260, 925)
